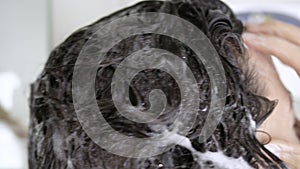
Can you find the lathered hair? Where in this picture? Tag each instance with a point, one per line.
(57, 139)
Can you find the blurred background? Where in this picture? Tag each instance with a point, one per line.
(30, 29)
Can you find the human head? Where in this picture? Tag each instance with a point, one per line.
(57, 138)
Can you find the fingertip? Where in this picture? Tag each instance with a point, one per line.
(252, 27)
(250, 38)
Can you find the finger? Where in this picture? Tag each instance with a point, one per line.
(285, 51)
(287, 152)
(276, 28)
(267, 76)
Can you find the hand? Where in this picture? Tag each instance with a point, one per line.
(286, 151)
(282, 41)
(279, 39)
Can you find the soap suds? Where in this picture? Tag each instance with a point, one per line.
(219, 159)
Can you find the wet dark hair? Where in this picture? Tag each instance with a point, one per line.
(57, 140)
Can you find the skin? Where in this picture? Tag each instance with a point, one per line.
(274, 38)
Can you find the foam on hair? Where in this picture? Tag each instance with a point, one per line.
(57, 139)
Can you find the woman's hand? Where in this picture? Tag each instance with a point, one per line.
(282, 41)
(286, 151)
(276, 38)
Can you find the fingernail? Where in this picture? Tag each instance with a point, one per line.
(249, 36)
(273, 148)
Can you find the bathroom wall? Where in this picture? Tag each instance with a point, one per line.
(23, 51)
(69, 15)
